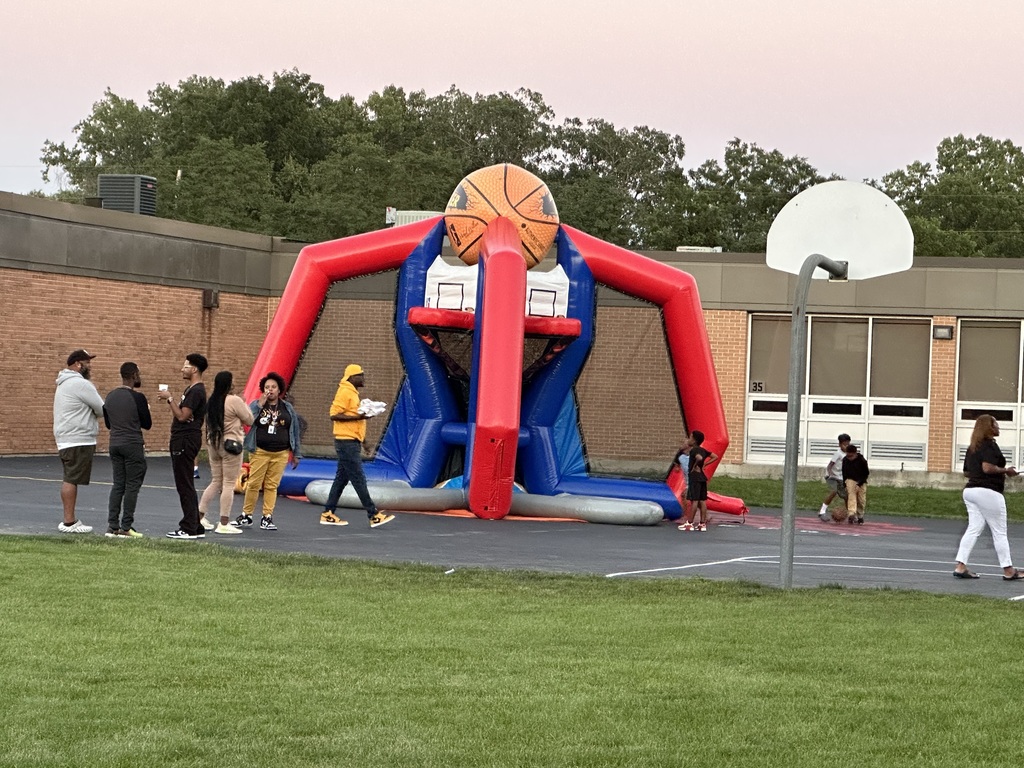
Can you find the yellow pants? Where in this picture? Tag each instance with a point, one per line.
(856, 498)
(265, 471)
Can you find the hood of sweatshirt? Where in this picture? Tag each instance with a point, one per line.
(66, 374)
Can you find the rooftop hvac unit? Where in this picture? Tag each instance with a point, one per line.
(128, 192)
(396, 218)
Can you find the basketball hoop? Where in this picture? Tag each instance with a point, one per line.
(839, 230)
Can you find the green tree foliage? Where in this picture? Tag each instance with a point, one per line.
(226, 185)
(119, 137)
(613, 181)
(280, 156)
(485, 130)
(737, 201)
(971, 203)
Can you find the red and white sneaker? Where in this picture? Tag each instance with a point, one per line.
(685, 527)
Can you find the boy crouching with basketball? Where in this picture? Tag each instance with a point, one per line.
(855, 476)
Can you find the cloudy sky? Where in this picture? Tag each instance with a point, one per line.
(858, 88)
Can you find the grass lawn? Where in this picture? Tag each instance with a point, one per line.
(182, 654)
(908, 502)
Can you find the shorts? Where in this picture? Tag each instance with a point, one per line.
(77, 462)
(697, 492)
(837, 487)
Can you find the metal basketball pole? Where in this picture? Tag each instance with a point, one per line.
(797, 370)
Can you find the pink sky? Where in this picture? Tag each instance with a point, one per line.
(858, 88)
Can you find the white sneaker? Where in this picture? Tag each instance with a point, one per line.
(76, 527)
(226, 529)
(207, 524)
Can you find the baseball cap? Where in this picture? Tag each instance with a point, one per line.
(78, 355)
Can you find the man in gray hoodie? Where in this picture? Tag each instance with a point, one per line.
(77, 408)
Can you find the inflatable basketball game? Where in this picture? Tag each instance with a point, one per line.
(492, 351)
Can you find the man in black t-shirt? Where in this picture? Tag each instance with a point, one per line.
(186, 439)
(126, 414)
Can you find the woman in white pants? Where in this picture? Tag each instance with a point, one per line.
(986, 471)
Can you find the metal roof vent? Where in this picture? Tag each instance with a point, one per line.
(128, 192)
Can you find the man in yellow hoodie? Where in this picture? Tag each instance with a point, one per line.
(349, 433)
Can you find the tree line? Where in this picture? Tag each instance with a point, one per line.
(281, 157)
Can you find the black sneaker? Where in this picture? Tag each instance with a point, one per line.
(860, 521)
(267, 524)
(242, 521)
(180, 534)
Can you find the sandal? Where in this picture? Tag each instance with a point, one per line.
(968, 575)
(1017, 576)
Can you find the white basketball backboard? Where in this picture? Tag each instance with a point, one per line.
(843, 221)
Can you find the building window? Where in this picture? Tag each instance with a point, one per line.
(900, 354)
(839, 357)
(989, 361)
(769, 353)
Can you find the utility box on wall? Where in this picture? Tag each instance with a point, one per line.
(131, 193)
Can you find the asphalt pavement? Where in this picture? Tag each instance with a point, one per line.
(887, 551)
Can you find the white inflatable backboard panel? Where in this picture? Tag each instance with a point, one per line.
(453, 286)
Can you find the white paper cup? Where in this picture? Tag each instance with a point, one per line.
(162, 387)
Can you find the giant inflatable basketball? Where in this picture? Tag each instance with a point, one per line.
(501, 190)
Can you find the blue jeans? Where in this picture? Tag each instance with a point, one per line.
(350, 470)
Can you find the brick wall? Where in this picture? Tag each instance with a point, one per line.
(46, 316)
(628, 402)
(349, 331)
(940, 401)
(727, 332)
